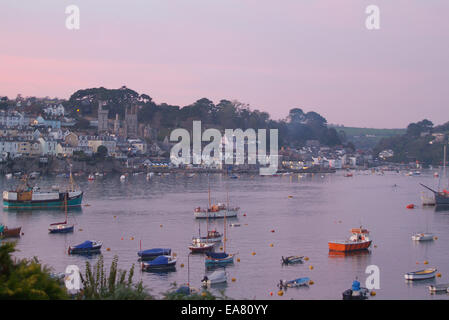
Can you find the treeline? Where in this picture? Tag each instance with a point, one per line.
(417, 144)
(294, 130)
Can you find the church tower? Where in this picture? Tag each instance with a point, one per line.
(131, 122)
(102, 117)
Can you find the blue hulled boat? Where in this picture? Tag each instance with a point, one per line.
(87, 247)
(294, 283)
(218, 258)
(160, 263)
(151, 254)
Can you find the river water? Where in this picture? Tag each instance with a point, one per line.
(159, 213)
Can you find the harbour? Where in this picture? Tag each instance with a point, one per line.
(280, 216)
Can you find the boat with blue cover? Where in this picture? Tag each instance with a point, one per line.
(161, 263)
(300, 282)
(151, 254)
(218, 258)
(87, 247)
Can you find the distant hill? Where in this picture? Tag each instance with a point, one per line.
(422, 142)
(365, 138)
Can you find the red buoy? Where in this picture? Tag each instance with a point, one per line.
(410, 206)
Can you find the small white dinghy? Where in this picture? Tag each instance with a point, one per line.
(438, 288)
(428, 273)
(423, 237)
(216, 277)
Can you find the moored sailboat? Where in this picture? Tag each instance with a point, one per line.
(62, 227)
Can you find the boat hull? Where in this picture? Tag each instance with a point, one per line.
(346, 246)
(165, 267)
(73, 201)
(214, 262)
(64, 229)
(420, 275)
(441, 199)
(423, 237)
(10, 233)
(92, 250)
(216, 214)
(439, 288)
(201, 249)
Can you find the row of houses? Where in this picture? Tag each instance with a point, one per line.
(65, 144)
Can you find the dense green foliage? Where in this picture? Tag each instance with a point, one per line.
(417, 144)
(98, 285)
(294, 131)
(366, 138)
(26, 279)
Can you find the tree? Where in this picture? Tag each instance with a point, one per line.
(23, 279)
(296, 115)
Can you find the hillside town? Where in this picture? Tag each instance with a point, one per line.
(49, 132)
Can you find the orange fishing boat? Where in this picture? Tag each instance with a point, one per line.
(359, 240)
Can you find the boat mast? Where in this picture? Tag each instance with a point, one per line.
(208, 209)
(444, 163)
(65, 207)
(226, 211)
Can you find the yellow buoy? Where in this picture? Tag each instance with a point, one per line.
(280, 293)
(238, 259)
(426, 262)
(182, 265)
(108, 249)
(373, 293)
(306, 258)
(271, 245)
(311, 267)
(233, 279)
(253, 253)
(174, 254)
(311, 282)
(290, 197)
(439, 275)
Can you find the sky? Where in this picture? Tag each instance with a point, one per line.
(316, 55)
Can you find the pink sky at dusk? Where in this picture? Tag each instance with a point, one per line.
(274, 55)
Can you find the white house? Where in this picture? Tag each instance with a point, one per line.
(48, 146)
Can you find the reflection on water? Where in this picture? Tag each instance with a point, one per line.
(280, 216)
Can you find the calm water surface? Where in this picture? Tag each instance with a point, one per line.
(159, 213)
